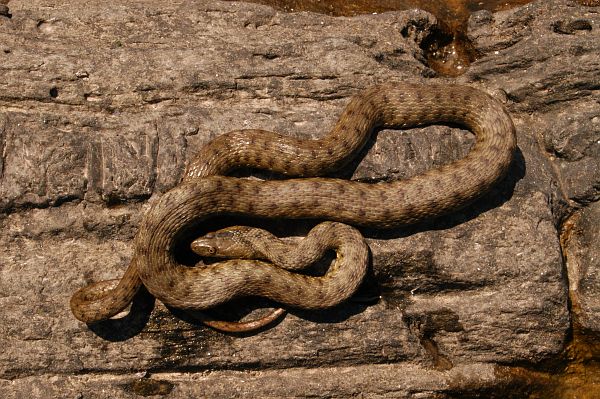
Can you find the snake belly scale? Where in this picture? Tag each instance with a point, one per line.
(204, 194)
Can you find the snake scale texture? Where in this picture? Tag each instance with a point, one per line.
(205, 193)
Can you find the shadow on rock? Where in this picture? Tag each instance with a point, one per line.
(130, 325)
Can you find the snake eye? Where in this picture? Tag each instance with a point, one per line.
(202, 248)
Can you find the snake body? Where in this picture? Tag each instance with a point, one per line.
(242, 242)
(204, 193)
(246, 245)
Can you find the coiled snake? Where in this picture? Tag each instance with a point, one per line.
(204, 193)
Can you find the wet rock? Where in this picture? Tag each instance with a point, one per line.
(102, 106)
(583, 264)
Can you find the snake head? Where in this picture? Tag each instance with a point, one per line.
(229, 243)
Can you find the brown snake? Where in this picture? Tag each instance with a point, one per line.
(241, 242)
(382, 205)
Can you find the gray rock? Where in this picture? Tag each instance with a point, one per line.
(543, 56)
(102, 105)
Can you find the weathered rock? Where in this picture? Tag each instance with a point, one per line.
(543, 56)
(583, 264)
(102, 105)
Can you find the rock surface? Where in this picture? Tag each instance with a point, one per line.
(102, 105)
(583, 262)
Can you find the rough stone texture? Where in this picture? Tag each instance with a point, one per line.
(101, 106)
(583, 262)
(551, 72)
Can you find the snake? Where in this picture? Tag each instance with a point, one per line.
(207, 192)
(256, 244)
